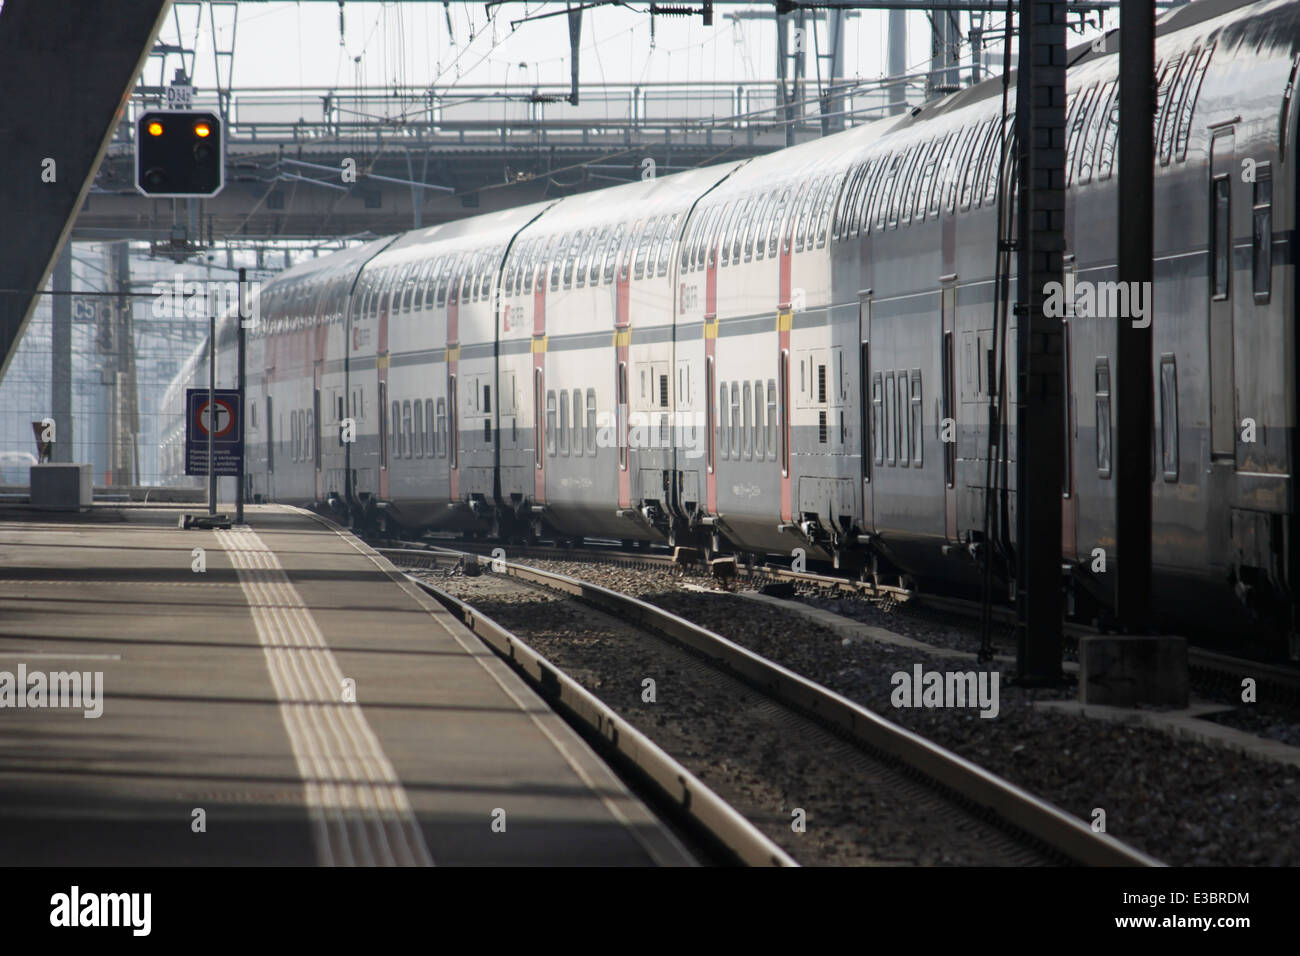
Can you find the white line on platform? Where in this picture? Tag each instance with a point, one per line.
(360, 812)
(77, 657)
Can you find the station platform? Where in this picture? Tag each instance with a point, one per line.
(296, 702)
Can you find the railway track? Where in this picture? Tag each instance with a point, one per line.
(978, 817)
(1212, 672)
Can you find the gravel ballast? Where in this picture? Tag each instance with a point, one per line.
(1184, 802)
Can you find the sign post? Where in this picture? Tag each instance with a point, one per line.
(212, 396)
(239, 481)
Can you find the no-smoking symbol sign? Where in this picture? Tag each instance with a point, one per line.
(225, 419)
(216, 419)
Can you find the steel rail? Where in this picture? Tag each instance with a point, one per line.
(1015, 808)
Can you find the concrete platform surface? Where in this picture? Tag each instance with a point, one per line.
(283, 697)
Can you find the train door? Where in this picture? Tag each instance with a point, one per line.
(319, 425)
(1222, 385)
(270, 442)
(1069, 546)
(948, 423)
(388, 422)
(868, 397)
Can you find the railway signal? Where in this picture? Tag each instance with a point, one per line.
(179, 154)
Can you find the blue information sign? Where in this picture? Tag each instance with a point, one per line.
(227, 431)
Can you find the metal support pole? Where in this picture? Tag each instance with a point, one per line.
(243, 402)
(212, 410)
(61, 357)
(1133, 379)
(1040, 402)
(897, 59)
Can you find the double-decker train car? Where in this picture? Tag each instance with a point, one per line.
(801, 350)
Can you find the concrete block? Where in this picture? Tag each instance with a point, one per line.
(62, 486)
(1124, 670)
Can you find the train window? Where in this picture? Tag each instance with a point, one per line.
(1189, 102)
(593, 256)
(747, 429)
(861, 212)
(577, 422)
(625, 254)
(556, 256)
(417, 428)
(453, 421)
(1166, 75)
(430, 436)
(1102, 392)
(414, 293)
(611, 254)
(408, 431)
(529, 266)
(906, 196)
(1262, 233)
(880, 200)
(512, 270)
(688, 240)
(440, 433)
(444, 276)
(706, 236)
(1169, 416)
(952, 173)
(943, 157)
(431, 281)
(621, 399)
(918, 418)
(745, 209)
(727, 231)
(1109, 135)
(405, 287)
(550, 423)
(783, 396)
(805, 214)
(891, 440)
(930, 163)
(468, 274)
(755, 224)
(779, 211)
(791, 221)
(1077, 123)
(656, 244)
(735, 430)
(584, 255)
(759, 450)
(963, 169)
(591, 422)
(644, 247)
(824, 219)
(670, 236)
(771, 417)
(724, 439)
(902, 420)
(564, 422)
(1220, 236)
(657, 241)
(841, 227)
(1092, 135)
(569, 254)
(1174, 107)
(993, 176)
(972, 180)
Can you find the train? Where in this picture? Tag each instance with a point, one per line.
(799, 351)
